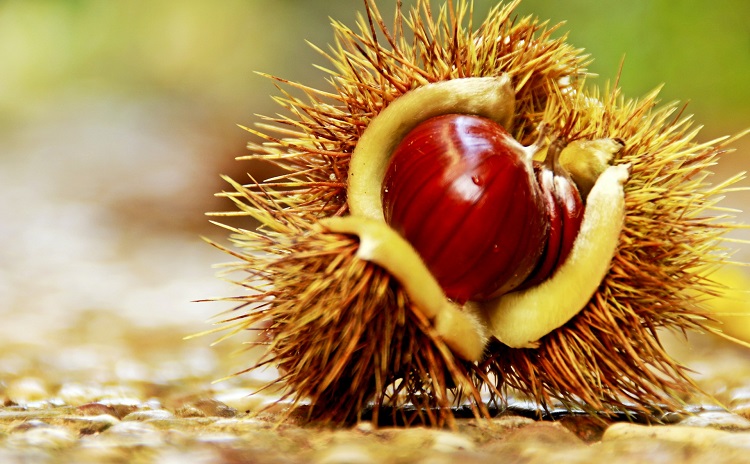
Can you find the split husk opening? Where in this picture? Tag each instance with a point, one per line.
(342, 331)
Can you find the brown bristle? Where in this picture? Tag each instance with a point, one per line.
(340, 329)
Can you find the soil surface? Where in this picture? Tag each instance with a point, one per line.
(137, 395)
(106, 261)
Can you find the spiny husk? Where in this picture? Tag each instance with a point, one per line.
(609, 356)
(341, 330)
(344, 333)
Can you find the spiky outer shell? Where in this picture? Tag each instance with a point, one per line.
(342, 331)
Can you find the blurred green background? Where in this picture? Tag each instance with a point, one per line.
(117, 117)
(204, 52)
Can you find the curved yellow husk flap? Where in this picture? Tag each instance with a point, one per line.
(344, 331)
(462, 331)
(519, 319)
(490, 97)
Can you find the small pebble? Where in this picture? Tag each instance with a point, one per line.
(194, 456)
(153, 403)
(20, 416)
(446, 442)
(510, 422)
(536, 438)
(88, 425)
(245, 399)
(26, 390)
(427, 439)
(122, 410)
(740, 403)
(131, 434)
(695, 436)
(721, 420)
(742, 410)
(148, 414)
(78, 394)
(588, 429)
(96, 409)
(28, 425)
(740, 395)
(47, 437)
(345, 454)
(547, 433)
(217, 438)
(365, 427)
(205, 407)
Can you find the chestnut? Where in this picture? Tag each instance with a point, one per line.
(518, 318)
(464, 193)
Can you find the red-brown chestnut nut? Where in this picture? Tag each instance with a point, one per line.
(464, 193)
(565, 212)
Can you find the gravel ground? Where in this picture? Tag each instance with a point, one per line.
(149, 398)
(94, 368)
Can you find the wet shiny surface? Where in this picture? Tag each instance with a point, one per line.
(462, 192)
